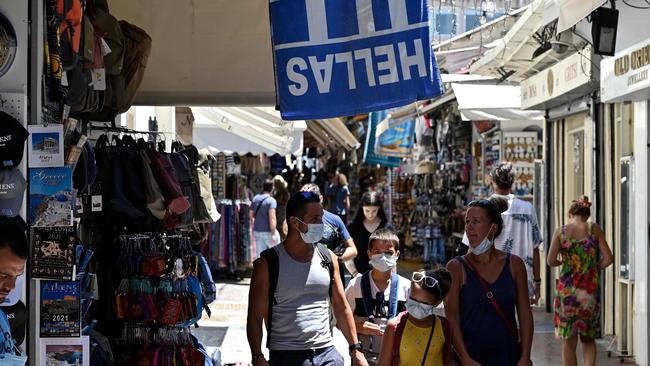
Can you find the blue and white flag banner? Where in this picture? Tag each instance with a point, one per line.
(395, 135)
(344, 57)
(369, 155)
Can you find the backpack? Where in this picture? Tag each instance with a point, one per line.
(399, 326)
(273, 262)
(181, 168)
(70, 15)
(368, 296)
(137, 48)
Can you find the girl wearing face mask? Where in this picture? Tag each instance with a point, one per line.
(370, 216)
(418, 337)
(488, 288)
(378, 295)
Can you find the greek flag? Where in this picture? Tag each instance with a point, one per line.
(344, 57)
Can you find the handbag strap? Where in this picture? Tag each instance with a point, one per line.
(490, 296)
(260, 205)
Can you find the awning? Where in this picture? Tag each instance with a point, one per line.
(513, 54)
(573, 11)
(248, 129)
(479, 102)
(332, 131)
(204, 53)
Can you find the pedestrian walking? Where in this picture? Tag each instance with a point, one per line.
(488, 287)
(379, 294)
(292, 287)
(521, 235)
(370, 217)
(418, 336)
(583, 253)
(338, 196)
(263, 215)
(281, 195)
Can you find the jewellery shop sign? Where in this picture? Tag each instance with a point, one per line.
(345, 57)
(624, 77)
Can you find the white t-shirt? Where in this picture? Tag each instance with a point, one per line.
(355, 299)
(520, 235)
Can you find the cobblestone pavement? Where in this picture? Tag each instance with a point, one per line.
(226, 330)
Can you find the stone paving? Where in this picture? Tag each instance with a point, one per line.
(226, 330)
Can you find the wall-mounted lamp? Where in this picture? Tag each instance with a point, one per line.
(604, 24)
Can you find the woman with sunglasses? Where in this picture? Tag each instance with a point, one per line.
(488, 288)
(418, 336)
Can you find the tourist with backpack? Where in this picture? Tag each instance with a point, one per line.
(292, 287)
(379, 294)
(418, 336)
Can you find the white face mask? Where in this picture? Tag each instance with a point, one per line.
(383, 262)
(314, 233)
(485, 245)
(418, 310)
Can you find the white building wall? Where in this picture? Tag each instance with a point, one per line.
(641, 343)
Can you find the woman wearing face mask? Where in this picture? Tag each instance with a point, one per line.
(488, 287)
(370, 216)
(378, 295)
(418, 336)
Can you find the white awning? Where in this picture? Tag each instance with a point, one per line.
(332, 131)
(478, 102)
(244, 130)
(573, 11)
(204, 53)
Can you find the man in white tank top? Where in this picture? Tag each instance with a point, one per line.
(300, 332)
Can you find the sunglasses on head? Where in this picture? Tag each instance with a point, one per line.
(309, 195)
(421, 278)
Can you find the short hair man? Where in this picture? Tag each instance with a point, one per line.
(14, 252)
(263, 208)
(300, 329)
(385, 291)
(335, 232)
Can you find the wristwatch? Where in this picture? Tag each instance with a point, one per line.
(256, 356)
(355, 347)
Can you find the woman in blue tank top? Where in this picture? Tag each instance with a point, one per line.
(488, 287)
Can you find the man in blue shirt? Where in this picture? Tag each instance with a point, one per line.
(14, 252)
(262, 213)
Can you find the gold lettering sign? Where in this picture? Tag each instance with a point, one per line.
(635, 60)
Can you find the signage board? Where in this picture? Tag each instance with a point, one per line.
(624, 77)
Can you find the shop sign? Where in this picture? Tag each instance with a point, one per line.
(625, 76)
(341, 57)
(563, 77)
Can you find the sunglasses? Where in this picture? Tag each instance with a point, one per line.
(421, 278)
(309, 195)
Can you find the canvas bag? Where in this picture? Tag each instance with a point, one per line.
(137, 48)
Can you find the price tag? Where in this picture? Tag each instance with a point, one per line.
(96, 203)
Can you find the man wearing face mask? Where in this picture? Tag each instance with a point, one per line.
(14, 251)
(291, 291)
(379, 294)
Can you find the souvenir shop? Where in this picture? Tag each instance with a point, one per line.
(123, 222)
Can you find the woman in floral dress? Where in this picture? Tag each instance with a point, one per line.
(583, 253)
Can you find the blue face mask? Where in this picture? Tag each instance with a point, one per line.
(383, 262)
(419, 310)
(314, 233)
(485, 245)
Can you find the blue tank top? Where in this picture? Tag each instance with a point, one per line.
(485, 333)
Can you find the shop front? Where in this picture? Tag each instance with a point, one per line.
(625, 90)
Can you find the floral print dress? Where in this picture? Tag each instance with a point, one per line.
(577, 302)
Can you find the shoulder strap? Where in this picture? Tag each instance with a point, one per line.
(490, 296)
(400, 324)
(273, 263)
(366, 294)
(257, 209)
(327, 261)
(394, 289)
(446, 330)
